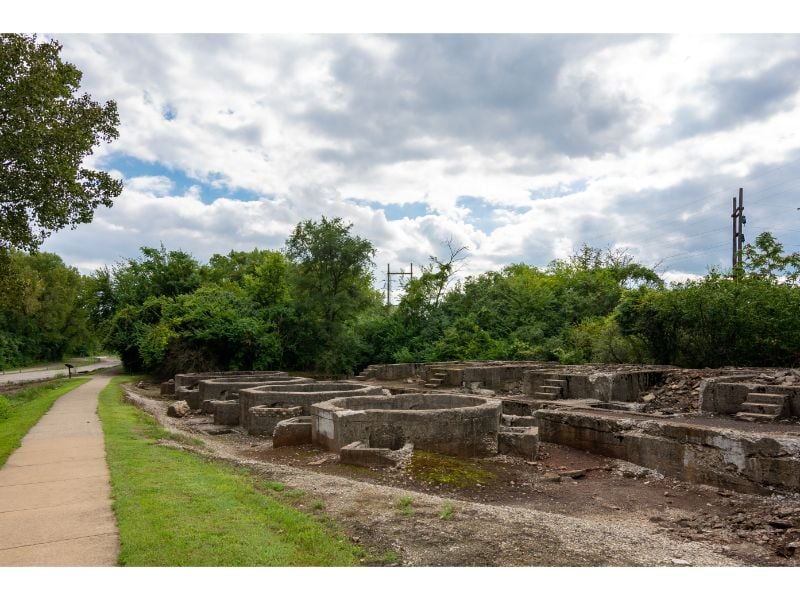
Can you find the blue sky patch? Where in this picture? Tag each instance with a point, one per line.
(557, 191)
(395, 212)
(131, 167)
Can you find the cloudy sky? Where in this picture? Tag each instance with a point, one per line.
(520, 147)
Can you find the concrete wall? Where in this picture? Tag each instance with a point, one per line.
(496, 377)
(725, 395)
(604, 386)
(744, 462)
(447, 423)
(213, 389)
(302, 395)
(190, 379)
(263, 419)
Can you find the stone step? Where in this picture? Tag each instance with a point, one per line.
(436, 380)
(440, 374)
(779, 399)
(360, 377)
(557, 382)
(545, 395)
(762, 409)
(755, 417)
(431, 385)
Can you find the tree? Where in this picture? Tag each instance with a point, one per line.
(334, 268)
(46, 131)
(332, 284)
(765, 260)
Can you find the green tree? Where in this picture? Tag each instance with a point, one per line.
(332, 283)
(765, 260)
(46, 131)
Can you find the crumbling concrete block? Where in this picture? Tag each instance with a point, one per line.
(226, 412)
(292, 432)
(263, 419)
(519, 441)
(168, 388)
(361, 454)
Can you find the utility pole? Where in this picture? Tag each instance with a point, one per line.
(389, 274)
(739, 221)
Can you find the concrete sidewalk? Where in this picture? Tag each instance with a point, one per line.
(55, 492)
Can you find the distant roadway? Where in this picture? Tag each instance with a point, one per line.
(35, 374)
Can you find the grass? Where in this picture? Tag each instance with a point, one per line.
(22, 410)
(405, 506)
(175, 508)
(437, 469)
(447, 511)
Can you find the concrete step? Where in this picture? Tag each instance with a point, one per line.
(545, 395)
(779, 399)
(756, 418)
(762, 409)
(557, 382)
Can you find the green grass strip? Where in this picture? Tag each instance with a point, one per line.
(175, 508)
(22, 410)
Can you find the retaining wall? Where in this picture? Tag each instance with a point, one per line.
(745, 462)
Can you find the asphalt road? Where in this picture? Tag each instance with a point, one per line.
(39, 374)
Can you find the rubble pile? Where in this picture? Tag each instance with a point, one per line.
(774, 527)
(679, 393)
(778, 377)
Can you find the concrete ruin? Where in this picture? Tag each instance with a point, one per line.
(597, 408)
(365, 424)
(744, 434)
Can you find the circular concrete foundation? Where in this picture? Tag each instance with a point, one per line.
(290, 394)
(453, 424)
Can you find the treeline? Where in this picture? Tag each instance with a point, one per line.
(43, 310)
(313, 307)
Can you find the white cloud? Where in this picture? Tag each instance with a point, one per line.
(629, 134)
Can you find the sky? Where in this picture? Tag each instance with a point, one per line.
(520, 147)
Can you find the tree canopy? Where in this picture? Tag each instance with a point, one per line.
(47, 129)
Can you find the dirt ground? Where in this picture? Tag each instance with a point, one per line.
(567, 508)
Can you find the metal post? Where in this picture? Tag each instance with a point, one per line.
(735, 236)
(388, 285)
(740, 237)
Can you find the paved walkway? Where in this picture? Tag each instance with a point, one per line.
(55, 493)
(38, 374)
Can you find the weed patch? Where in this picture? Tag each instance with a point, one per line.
(438, 469)
(447, 511)
(405, 506)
